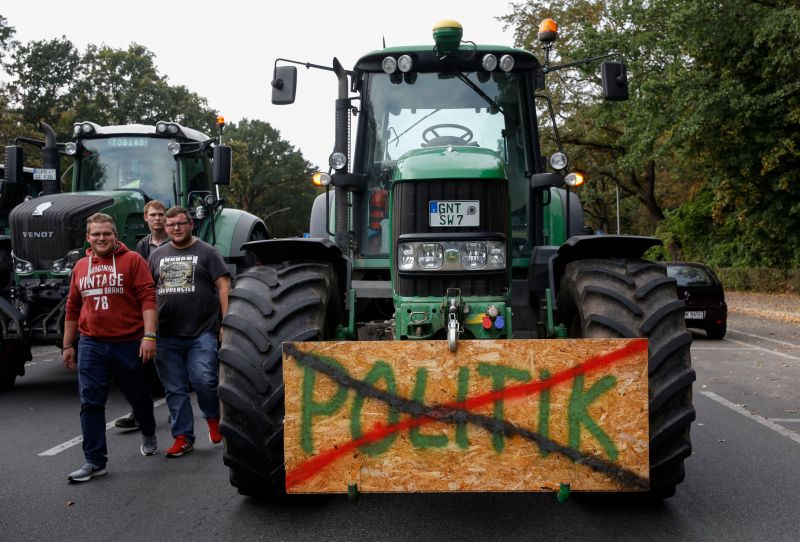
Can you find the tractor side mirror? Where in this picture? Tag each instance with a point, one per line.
(14, 158)
(546, 180)
(284, 85)
(222, 164)
(615, 81)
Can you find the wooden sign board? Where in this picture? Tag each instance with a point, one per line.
(502, 415)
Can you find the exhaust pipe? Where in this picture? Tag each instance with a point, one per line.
(50, 159)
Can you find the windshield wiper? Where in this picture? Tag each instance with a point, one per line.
(479, 92)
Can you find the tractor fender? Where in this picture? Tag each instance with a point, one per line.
(272, 251)
(547, 264)
(235, 227)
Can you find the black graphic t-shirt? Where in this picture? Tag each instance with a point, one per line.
(188, 302)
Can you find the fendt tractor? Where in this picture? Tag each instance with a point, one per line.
(114, 170)
(449, 326)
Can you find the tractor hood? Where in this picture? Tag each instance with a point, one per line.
(450, 162)
(46, 228)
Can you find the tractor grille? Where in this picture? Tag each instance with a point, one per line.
(410, 216)
(55, 230)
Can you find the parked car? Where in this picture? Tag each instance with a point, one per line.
(702, 292)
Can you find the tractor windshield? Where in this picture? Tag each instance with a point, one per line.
(141, 164)
(408, 112)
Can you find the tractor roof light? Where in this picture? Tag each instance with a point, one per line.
(168, 128)
(506, 63)
(548, 31)
(389, 65)
(405, 63)
(447, 36)
(574, 180)
(321, 179)
(489, 62)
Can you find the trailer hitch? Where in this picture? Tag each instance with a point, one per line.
(453, 323)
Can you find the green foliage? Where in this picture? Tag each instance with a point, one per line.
(759, 279)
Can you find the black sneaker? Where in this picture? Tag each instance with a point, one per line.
(127, 422)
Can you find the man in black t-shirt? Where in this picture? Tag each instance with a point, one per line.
(192, 286)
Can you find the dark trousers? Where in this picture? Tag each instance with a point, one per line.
(97, 360)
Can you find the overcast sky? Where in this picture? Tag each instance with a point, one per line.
(225, 50)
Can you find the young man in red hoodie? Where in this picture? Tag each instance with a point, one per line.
(112, 304)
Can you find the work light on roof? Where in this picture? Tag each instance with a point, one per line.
(172, 128)
(489, 62)
(161, 128)
(389, 65)
(87, 128)
(405, 63)
(506, 63)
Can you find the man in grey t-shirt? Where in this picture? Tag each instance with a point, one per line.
(192, 286)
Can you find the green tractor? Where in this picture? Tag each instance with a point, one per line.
(447, 228)
(114, 170)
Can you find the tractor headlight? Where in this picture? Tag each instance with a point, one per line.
(473, 255)
(457, 255)
(430, 255)
(65, 265)
(21, 267)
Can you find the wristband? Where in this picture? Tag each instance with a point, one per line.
(65, 347)
(149, 338)
(150, 335)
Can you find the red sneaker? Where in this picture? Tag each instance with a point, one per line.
(182, 445)
(213, 430)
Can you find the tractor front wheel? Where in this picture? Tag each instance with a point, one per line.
(635, 298)
(271, 304)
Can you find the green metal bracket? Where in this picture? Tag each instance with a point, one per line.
(549, 300)
(563, 493)
(352, 492)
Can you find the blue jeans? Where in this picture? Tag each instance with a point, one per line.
(189, 360)
(97, 360)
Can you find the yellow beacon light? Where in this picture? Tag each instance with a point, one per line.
(548, 31)
(447, 36)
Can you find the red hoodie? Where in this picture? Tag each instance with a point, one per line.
(107, 295)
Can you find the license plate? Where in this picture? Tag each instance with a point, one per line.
(694, 315)
(455, 213)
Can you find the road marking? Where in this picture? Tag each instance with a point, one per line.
(754, 347)
(765, 338)
(77, 440)
(755, 417)
(729, 349)
(785, 420)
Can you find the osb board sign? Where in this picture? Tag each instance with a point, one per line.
(522, 415)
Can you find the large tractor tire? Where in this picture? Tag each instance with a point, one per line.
(635, 298)
(271, 304)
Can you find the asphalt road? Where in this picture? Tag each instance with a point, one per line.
(742, 480)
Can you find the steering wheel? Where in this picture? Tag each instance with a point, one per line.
(432, 138)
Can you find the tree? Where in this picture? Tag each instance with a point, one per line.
(270, 175)
(42, 74)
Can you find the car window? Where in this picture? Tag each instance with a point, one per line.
(690, 275)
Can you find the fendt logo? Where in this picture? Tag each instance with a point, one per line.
(38, 234)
